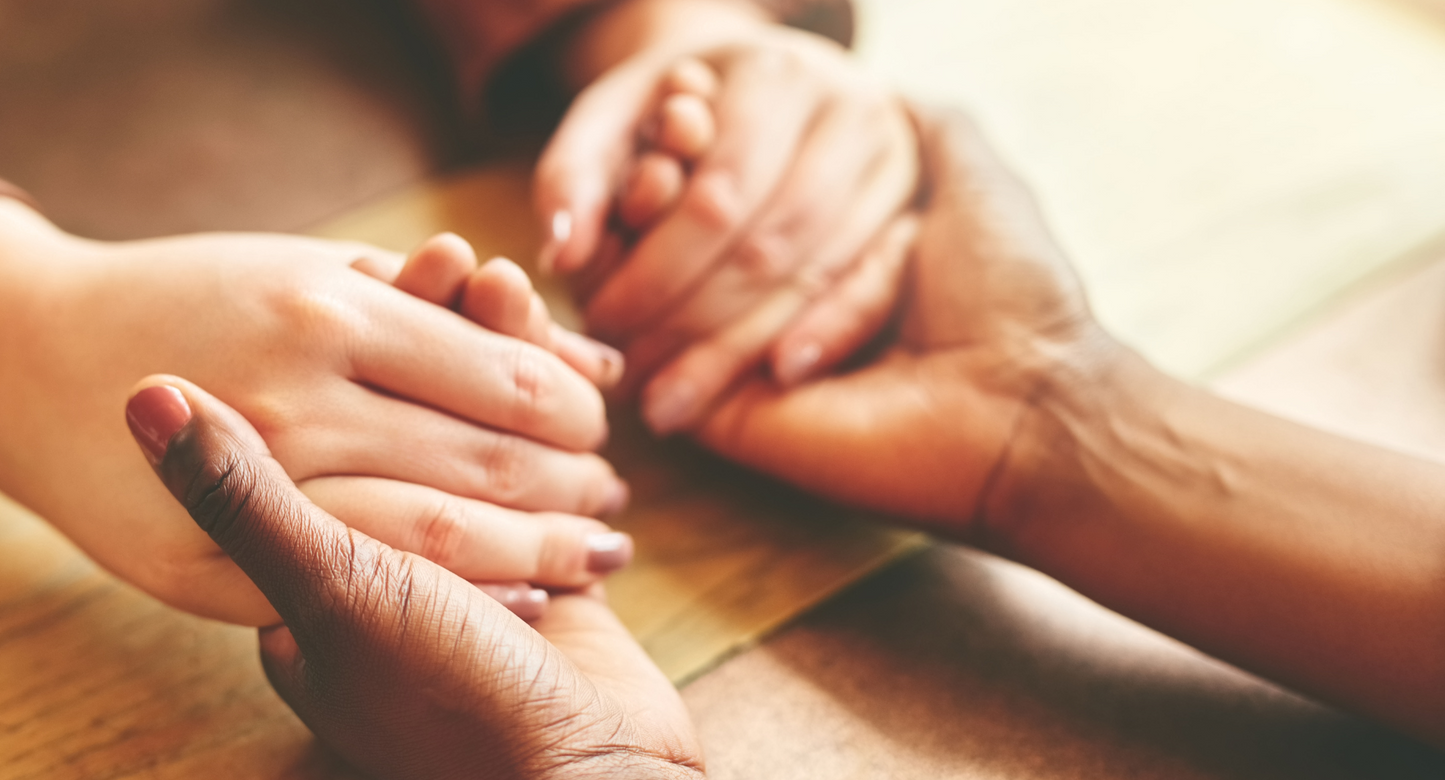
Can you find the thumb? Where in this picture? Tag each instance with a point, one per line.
(585, 162)
(218, 467)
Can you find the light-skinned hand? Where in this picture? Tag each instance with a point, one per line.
(801, 161)
(401, 417)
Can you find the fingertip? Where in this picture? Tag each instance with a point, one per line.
(796, 360)
(687, 128)
(692, 76)
(514, 275)
(600, 363)
(609, 552)
(281, 660)
(523, 600)
(156, 412)
(278, 646)
(653, 188)
(498, 296)
(669, 405)
(437, 268)
(559, 235)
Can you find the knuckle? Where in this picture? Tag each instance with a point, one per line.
(274, 415)
(764, 256)
(363, 573)
(314, 313)
(219, 494)
(532, 386)
(778, 62)
(506, 468)
(713, 201)
(441, 531)
(815, 279)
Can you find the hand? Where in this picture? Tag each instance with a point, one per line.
(400, 417)
(810, 160)
(1003, 415)
(991, 313)
(400, 666)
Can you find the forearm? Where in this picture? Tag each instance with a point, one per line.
(1308, 558)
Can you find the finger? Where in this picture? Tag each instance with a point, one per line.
(839, 195)
(218, 467)
(498, 296)
(683, 391)
(538, 329)
(601, 364)
(585, 162)
(655, 185)
(691, 76)
(215, 463)
(283, 663)
(611, 253)
(411, 443)
(761, 120)
(686, 127)
(381, 268)
(478, 541)
(680, 395)
(438, 269)
(427, 354)
(796, 435)
(848, 315)
(523, 600)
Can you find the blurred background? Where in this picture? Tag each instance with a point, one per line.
(1254, 191)
(1220, 170)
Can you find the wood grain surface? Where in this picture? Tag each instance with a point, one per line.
(1222, 169)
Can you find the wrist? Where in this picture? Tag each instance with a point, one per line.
(1093, 411)
(31, 251)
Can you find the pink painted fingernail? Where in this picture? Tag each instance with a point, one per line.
(608, 552)
(669, 410)
(155, 415)
(531, 604)
(797, 364)
(524, 601)
(561, 227)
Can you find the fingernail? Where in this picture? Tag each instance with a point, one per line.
(561, 234)
(531, 605)
(526, 603)
(669, 410)
(797, 364)
(613, 365)
(618, 498)
(609, 552)
(154, 415)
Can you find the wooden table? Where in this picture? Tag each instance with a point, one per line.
(949, 664)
